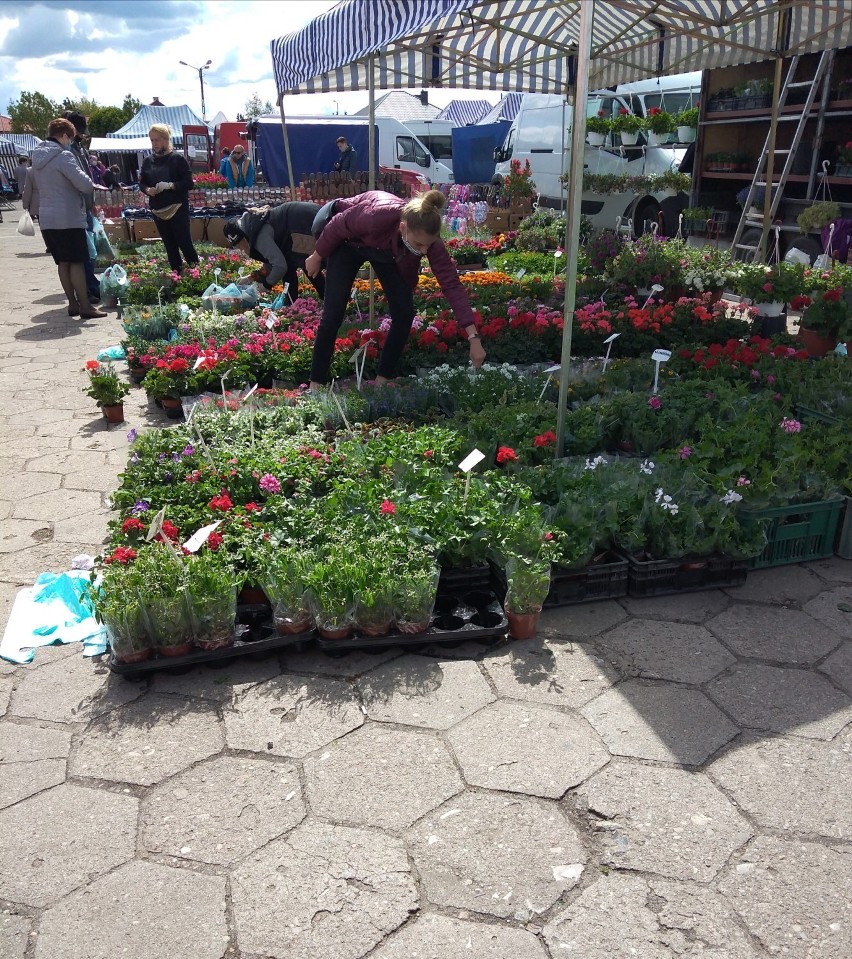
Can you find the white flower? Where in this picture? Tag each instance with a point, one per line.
(647, 467)
(731, 497)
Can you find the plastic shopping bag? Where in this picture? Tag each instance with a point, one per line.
(93, 247)
(231, 299)
(113, 284)
(102, 244)
(25, 224)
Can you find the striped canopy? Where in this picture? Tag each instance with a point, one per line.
(530, 45)
(463, 113)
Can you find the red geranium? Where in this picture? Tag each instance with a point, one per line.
(505, 454)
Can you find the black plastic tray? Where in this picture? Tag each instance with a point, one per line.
(454, 621)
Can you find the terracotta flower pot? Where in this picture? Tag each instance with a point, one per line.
(342, 633)
(815, 343)
(113, 413)
(522, 625)
(138, 657)
(172, 407)
(180, 650)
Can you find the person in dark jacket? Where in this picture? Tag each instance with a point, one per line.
(57, 190)
(166, 178)
(348, 156)
(392, 235)
(81, 125)
(112, 177)
(280, 237)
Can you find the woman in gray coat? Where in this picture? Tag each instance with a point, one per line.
(56, 192)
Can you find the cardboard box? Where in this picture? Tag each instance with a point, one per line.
(197, 228)
(497, 221)
(117, 231)
(144, 230)
(515, 220)
(216, 231)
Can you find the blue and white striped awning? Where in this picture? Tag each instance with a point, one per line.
(24, 143)
(464, 113)
(530, 45)
(504, 110)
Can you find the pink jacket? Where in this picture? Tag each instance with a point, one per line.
(372, 219)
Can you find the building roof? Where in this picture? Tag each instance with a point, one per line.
(175, 119)
(5, 124)
(402, 106)
(464, 113)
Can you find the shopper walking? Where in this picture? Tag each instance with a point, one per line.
(166, 179)
(57, 191)
(392, 235)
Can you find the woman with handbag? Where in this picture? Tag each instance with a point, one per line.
(56, 192)
(166, 179)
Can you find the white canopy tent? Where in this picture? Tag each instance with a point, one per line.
(546, 46)
(117, 145)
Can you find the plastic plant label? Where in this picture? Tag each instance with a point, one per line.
(199, 360)
(472, 458)
(156, 526)
(248, 395)
(269, 323)
(660, 356)
(612, 338)
(521, 273)
(199, 537)
(554, 369)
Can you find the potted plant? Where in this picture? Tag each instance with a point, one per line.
(161, 589)
(826, 315)
(844, 160)
(518, 185)
(696, 217)
(598, 128)
(283, 578)
(106, 389)
(211, 593)
(628, 125)
(659, 125)
(328, 579)
(114, 597)
(687, 124)
(527, 586)
(417, 577)
(768, 287)
(818, 215)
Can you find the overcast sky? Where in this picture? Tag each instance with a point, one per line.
(104, 49)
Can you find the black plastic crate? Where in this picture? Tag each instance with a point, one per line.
(658, 577)
(607, 580)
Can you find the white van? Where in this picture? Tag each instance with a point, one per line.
(541, 134)
(312, 147)
(437, 137)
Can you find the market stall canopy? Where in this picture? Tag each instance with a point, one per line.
(531, 45)
(463, 113)
(175, 118)
(24, 143)
(116, 145)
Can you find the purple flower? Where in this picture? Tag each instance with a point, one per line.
(134, 458)
(176, 457)
(161, 457)
(132, 434)
(140, 506)
(269, 484)
(168, 477)
(790, 426)
(188, 450)
(685, 452)
(755, 374)
(655, 402)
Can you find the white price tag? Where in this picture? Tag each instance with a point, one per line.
(521, 273)
(612, 337)
(661, 356)
(472, 458)
(250, 392)
(199, 360)
(199, 537)
(156, 526)
(269, 322)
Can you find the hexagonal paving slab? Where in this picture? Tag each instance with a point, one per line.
(323, 892)
(679, 607)
(791, 585)
(355, 663)
(70, 690)
(57, 504)
(217, 685)
(665, 821)
(60, 839)
(657, 650)
(834, 609)
(794, 785)
(782, 700)
(418, 691)
(222, 810)
(666, 723)
(147, 741)
(382, 777)
(492, 854)
(773, 633)
(5, 693)
(839, 666)
(140, 911)
(624, 915)
(527, 749)
(794, 896)
(440, 937)
(14, 933)
(557, 674)
(291, 716)
(31, 759)
(581, 621)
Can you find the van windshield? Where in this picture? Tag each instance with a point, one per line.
(670, 102)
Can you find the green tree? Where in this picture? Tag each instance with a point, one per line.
(129, 108)
(255, 107)
(81, 105)
(32, 113)
(105, 120)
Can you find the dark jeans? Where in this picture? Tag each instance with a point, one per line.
(341, 269)
(93, 286)
(177, 239)
(295, 261)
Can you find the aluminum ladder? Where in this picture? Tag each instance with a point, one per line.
(762, 178)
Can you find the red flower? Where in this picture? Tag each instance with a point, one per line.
(800, 302)
(387, 507)
(428, 454)
(548, 537)
(122, 554)
(251, 507)
(221, 502)
(545, 439)
(169, 529)
(505, 454)
(132, 525)
(214, 541)
(92, 364)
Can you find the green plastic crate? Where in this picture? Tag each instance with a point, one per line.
(798, 532)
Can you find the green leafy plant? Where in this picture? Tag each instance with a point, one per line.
(527, 584)
(627, 122)
(818, 215)
(659, 121)
(687, 117)
(600, 123)
(104, 385)
(767, 284)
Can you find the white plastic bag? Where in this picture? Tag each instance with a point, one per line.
(25, 224)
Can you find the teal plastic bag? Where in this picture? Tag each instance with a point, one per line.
(111, 353)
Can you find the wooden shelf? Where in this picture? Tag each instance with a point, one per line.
(837, 109)
(792, 178)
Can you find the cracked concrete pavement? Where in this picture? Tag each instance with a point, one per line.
(651, 778)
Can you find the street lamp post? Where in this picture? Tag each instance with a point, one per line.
(336, 108)
(201, 81)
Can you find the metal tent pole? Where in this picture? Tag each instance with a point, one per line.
(287, 148)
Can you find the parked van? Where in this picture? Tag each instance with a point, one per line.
(313, 147)
(541, 134)
(437, 137)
